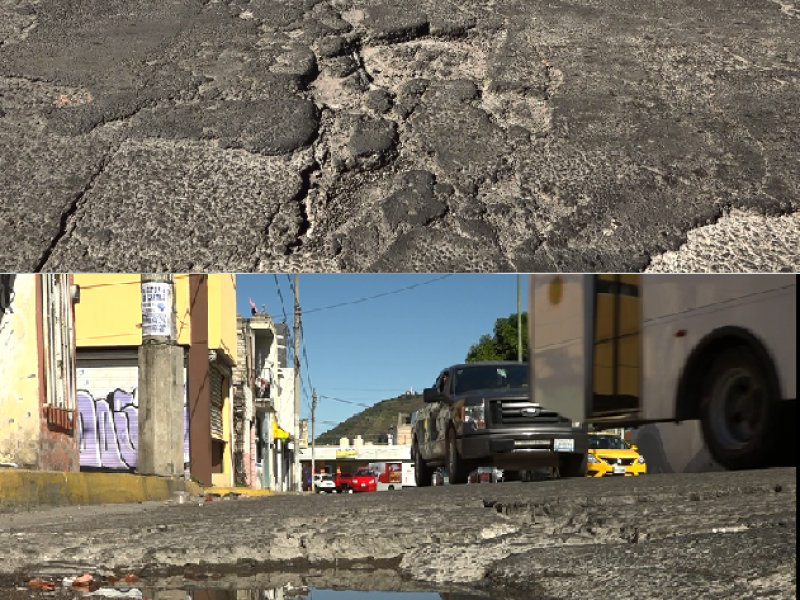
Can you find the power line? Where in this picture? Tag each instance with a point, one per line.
(280, 295)
(345, 401)
(365, 299)
(363, 389)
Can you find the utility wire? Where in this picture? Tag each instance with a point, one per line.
(365, 299)
(280, 295)
(363, 389)
(345, 401)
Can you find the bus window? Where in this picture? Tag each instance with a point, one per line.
(617, 353)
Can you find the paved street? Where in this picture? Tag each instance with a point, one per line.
(415, 136)
(713, 535)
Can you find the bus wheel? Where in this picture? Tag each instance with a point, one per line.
(737, 411)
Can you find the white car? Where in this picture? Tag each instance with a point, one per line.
(324, 484)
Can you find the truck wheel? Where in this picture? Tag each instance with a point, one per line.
(423, 474)
(737, 411)
(572, 465)
(457, 468)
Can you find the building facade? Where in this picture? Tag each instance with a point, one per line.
(37, 367)
(263, 405)
(108, 336)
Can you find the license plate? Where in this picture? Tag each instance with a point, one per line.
(564, 445)
(363, 485)
(619, 470)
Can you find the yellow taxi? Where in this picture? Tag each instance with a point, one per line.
(610, 455)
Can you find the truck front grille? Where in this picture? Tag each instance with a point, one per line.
(520, 412)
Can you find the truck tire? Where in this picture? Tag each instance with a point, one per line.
(457, 468)
(572, 465)
(737, 413)
(423, 474)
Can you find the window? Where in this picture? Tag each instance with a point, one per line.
(617, 356)
(490, 377)
(607, 442)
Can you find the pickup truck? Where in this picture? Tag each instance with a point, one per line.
(481, 415)
(344, 483)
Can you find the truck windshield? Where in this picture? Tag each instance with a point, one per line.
(607, 442)
(490, 377)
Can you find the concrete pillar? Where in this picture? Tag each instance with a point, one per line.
(160, 382)
(161, 410)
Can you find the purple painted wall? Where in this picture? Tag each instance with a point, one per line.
(108, 429)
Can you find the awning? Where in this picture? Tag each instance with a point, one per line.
(278, 433)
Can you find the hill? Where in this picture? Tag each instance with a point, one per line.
(373, 422)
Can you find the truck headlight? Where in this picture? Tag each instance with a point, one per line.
(474, 414)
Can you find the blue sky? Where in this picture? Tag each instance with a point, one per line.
(364, 352)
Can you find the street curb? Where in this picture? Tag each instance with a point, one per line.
(238, 491)
(23, 489)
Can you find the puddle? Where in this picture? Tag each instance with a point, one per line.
(361, 583)
(279, 593)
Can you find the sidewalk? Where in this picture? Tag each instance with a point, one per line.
(21, 488)
(28, 489)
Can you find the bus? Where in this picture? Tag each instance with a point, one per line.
(716, 352)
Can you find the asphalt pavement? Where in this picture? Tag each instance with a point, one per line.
(376, 135)
(710, 535)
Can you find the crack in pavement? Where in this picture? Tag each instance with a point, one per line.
(66, 216)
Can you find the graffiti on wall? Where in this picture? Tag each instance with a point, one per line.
(108, 427)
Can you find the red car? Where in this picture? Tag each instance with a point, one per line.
(365, 480)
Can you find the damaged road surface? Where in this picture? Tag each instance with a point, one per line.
(711, 535)
(373, 135)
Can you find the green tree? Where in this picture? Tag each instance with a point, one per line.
(502, 344)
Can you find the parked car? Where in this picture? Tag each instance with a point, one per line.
(481, 415)
(324, 483)
(365, 480)
(610, 455)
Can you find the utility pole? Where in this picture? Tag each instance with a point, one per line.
(298, 484)
(519, 318)
(161, 380)
(313, 435)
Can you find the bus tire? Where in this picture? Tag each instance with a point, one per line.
(737, 413)
(572, 465)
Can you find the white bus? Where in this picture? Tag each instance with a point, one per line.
(632, 350)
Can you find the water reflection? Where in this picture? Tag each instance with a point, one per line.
(287, 592)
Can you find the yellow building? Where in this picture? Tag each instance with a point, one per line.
(108, 335)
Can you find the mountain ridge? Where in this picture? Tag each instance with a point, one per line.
(373, 422)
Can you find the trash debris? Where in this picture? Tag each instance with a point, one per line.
(83, 580)
(39, 584)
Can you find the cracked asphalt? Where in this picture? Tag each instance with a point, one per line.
(368, 135)
(719, 535)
